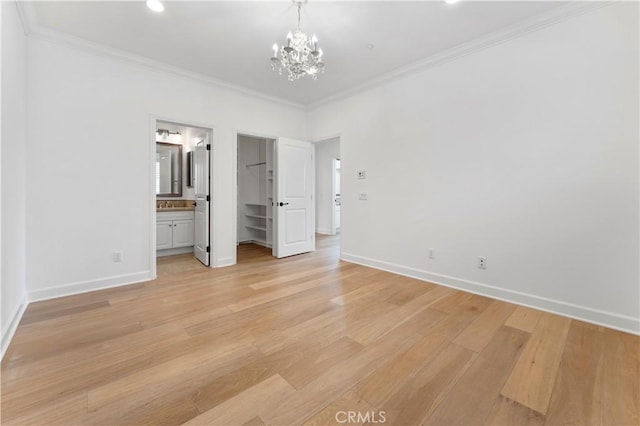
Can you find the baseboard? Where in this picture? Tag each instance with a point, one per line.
(91, 285)
(224, 261)
(10, 329)
(595, 316)
(172, 251)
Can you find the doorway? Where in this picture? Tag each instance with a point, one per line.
(328, 184)
(335, 218)
(181, 174)
(275, 195)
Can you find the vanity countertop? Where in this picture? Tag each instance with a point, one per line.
(175, 205)
(175, 209)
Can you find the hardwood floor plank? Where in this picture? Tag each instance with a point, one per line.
(368, 330)
(390, 378)
(533, 377)
(37, 317)
(223, 387)
(254, 402)
(315, 396)
(577, 394)
(208, 359)
(524, 319)
(507, 413)
(621, 379)
(472, 398)
(315, 363)
(346, 409)
(423, 392)
(482, 329)
(65, 411)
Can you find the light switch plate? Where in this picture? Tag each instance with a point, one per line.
(362, 196)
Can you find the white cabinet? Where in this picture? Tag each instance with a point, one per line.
(164, 234)
(183, 233)
(174, 230)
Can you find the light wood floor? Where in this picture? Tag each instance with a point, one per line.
(304, 339)
(178, 263)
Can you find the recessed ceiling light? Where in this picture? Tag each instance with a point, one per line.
(451, 1)
(155, 5)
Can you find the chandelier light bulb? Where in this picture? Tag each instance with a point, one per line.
(275, 50)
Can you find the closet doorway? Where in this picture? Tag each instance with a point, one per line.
(275, 194)
(255, 190)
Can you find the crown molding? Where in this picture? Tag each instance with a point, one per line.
(477, 45)
(26, 16)
(35, 31)
(560, 14)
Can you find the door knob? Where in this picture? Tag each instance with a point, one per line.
(283, 204)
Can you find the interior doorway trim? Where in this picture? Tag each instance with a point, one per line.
(342, 194)
(234, 171)
(334, 216)
(153, 119)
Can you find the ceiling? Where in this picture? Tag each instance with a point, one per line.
(231, 41)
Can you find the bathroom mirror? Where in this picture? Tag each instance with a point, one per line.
(168, 170)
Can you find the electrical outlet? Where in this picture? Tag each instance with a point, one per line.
(482, 263)
(117, 256)
(362, 196)
(432, 253)
(362, 174)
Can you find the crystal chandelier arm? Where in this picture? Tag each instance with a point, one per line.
(300, 55)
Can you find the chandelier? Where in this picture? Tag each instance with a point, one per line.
(300, 56)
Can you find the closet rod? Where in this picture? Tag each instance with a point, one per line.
(256, 164)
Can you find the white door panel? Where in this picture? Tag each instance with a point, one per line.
(164, 234)
(201, 214)
(183, 233)
(296, 226)
(294, 204)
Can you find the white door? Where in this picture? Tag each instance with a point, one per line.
(201, 185)
(294, 202)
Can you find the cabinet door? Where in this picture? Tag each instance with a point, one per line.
(183, 233)
(164, 234)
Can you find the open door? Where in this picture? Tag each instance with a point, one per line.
(201, 185)
(294, 209)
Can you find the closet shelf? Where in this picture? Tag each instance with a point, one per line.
(259, 228)
(256, 216)
(256, 164)
(255, 204)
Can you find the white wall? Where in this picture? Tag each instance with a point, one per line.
(13, 155)
(91, 114)
(525, 153)
(326, 151)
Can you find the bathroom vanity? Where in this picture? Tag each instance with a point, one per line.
(174, 227)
